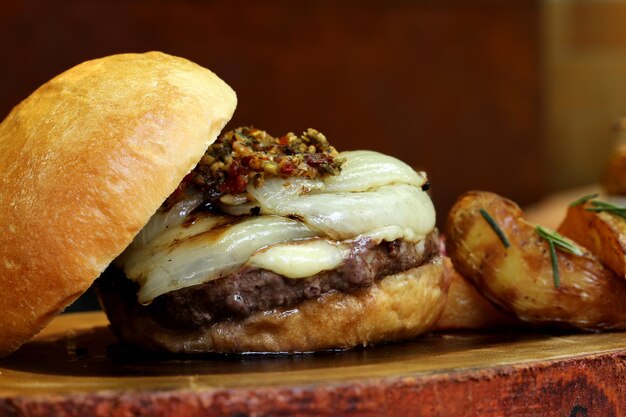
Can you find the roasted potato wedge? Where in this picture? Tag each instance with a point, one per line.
(520, 279)
(467, 309)
(602, 233)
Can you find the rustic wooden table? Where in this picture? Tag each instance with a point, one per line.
(74, 368)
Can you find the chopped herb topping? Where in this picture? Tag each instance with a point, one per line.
(247, 156)
(557, 241)
(495, 227)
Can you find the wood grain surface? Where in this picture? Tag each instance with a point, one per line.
(75, 368)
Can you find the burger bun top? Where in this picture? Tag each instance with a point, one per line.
(85, 161)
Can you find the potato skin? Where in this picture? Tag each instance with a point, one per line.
(519, 278)
(602, 233)
(467, 309)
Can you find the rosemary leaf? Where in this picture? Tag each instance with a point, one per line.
(583, 200)
(555, 265)
(606, 205)
(603, 206)
(495, 227)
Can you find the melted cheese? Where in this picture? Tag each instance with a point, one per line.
(300, 259)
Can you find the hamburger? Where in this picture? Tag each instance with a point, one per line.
(113, 171)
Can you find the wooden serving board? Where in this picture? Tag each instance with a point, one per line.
(74, 368)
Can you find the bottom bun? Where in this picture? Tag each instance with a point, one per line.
(397, 307)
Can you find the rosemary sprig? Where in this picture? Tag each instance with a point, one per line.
(603, 206)
(560, 241)
(557, 241)
(495, 227)
(583, 200)
(600, 206)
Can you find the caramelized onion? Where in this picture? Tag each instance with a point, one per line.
(172, 217)
(345, 215)
(366, 170)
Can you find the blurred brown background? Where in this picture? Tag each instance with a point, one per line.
(516, 96)
(453, 87)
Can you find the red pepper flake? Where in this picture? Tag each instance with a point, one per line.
(245, 161)
(287, 168)
(234, 184)
(316, 159)
(234, 169)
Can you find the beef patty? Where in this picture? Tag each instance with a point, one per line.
(249, 290)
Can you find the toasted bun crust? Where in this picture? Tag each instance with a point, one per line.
(398, 307)
(85, 161)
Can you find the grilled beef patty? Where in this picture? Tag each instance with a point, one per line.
(249, 290)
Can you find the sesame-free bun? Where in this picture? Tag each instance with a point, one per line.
(396, 307)
(85, 161)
